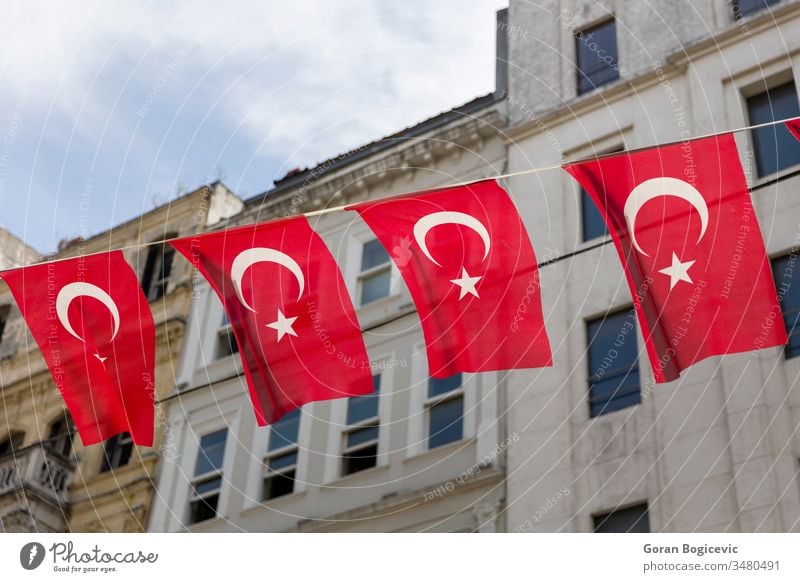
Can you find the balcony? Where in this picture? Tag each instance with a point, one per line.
(34, 493)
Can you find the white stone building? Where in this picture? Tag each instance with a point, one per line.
(718, 449)
(538, 450)
(424, 455)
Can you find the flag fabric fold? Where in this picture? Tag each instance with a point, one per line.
(467, 260)
(686, 232)
(294, 323)
(95, 330)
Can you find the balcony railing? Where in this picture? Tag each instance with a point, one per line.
(39, 468)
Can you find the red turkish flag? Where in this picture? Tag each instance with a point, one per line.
(469, 264)
(686, 232)
(293, 320)
(794, 127)
(94, 328)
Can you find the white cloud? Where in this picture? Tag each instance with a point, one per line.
(303, 80)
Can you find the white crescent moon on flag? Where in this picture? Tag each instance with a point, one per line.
(426, 223)
(665, 186)
(72, 291)
(249, 257)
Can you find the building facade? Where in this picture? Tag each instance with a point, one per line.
(421, 455)
(48, 481)
(560, 449)
(716, 450)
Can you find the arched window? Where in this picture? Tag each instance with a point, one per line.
(62, 430)
(12, 442)
(157, 269)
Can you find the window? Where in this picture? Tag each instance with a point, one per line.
(596, 50)
(630, 520)
(376, 272)
(613, 363)
(13, 442)
(226, 342)
(157, 270)
(789, 297)
(360, 449)
(59, 438)
(445, 407)
(591, 220)
(282, 453)
(775, 147)
(117, 453)
(207, 480)
(747, 7)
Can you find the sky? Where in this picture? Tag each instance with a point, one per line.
(109, 109)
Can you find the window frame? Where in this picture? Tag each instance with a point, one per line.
(214, 473)
(431, 402)
(364, 423)
(154, 262)
(791, 255)
(117, 444)
(604, 514)
(591, 381)
(225, 337)
(759, 89)
(738, 14)
(269, 474)
(371, 272)
(584, 82)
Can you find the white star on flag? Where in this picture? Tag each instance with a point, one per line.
(102, 359)
(283, 325)
(677, 271)
(466, 284)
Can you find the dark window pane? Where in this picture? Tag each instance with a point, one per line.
(278, 485)
(211, 453)
(775, 147)
(437, 386)
(446, 422)
(746, 7)
(631, 520)
(373, 255)
(226, 344)
(203, 509)
(361, 408)
(208, 485)
(359, 460)
(613, 363)
(597, 56)
(593, 224)
(376, 286)
(12, 443)
(60, 436)
(284, 432)
(362, 435)
(117, 452)
(282, 461)
(783, 269)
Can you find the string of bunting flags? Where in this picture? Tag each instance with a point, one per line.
(678, 214)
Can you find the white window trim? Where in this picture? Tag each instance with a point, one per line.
(356, 239)
(197, 429)
(338, 427)
(268, 473)
(259, 454)
(748, 83)
(419, 404)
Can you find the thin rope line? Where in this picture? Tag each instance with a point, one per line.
(452, 185)
(601, 243)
